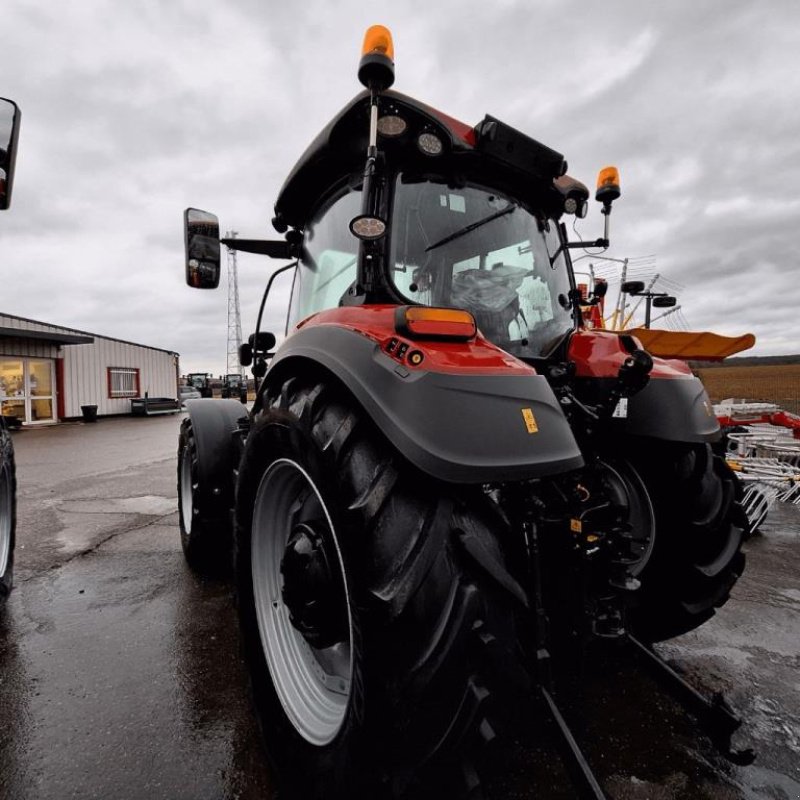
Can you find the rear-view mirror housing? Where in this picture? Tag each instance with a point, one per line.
(632, 287)
(201, 239)
(664, 302)
(9, 134)
(262, 342)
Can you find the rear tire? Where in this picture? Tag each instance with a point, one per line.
(8, 512)
(429, 636)
(700, 528)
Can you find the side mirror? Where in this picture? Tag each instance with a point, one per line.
(664, 302)
(600, 289)
(262, 343)
(201, 237)
(632, 287)
(9, 133)
(255, 351)
(245, 354)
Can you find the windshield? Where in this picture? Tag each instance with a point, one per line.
(476, 249)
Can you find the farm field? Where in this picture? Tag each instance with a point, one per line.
(774, 383)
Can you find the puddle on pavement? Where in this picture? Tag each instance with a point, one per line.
(85, 522)
(150, 504)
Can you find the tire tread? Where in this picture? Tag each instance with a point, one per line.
(428, 613)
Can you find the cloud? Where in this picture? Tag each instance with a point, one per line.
(132, 112)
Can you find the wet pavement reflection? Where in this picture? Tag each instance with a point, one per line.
(121, 678)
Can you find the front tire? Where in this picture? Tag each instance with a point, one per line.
(368, 666)
(700, 528)
(205, 526)
(8, 512)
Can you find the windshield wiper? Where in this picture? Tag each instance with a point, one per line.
(471, 227)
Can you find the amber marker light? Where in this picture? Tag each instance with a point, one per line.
(608, 185)
(420, 322)
(376, 68)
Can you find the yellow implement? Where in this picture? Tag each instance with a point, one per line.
(701, 345)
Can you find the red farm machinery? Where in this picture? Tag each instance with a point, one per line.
(449, 483)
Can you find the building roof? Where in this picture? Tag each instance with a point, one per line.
(51, 337)
(57, 334)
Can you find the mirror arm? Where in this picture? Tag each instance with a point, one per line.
(272, 249)
(606, 211)
(576, 246)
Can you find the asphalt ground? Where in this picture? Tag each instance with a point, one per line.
(120, 674)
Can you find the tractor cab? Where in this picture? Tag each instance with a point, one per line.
(458, 245)
(395, 203)
(454, 216)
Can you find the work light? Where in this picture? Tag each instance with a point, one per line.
(367, 227)
(430, 144)
(391, 125)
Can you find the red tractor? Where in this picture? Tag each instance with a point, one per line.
(447, 483)
(9, 134)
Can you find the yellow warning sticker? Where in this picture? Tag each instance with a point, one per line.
(575, 525)
(530, 420)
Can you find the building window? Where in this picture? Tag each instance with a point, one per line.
(123, 382)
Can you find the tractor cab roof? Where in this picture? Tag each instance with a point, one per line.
(491, 152)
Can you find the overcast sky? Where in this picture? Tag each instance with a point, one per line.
(133, 111)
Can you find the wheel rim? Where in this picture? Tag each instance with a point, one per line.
(5, 518)
(628, 489)
(313, 685)
(187, 489)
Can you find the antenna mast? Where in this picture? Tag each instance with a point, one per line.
(234, 313)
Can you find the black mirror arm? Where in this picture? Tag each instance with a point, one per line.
(578, 246)
(272, 249)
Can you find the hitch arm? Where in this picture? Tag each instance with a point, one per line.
(571, 754)
(714, 714)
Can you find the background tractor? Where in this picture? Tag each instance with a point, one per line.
(9, 133)
(202, 382)
(448, 482)
(235, 386)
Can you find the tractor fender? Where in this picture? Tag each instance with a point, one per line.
(458, 427)
(672, 406)
(215, 424)
(672, 409)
